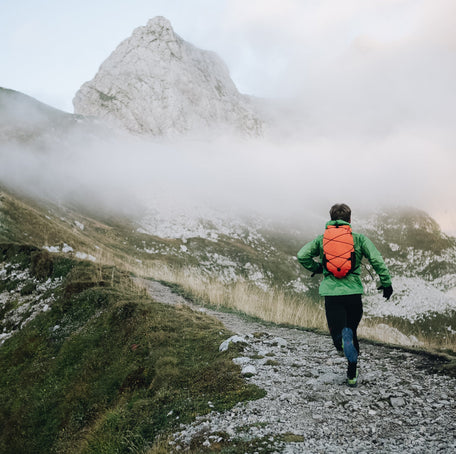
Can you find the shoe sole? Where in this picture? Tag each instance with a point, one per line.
(349, 349)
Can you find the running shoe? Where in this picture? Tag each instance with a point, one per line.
(352, 374)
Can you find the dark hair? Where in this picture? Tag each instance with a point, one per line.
(340, 211)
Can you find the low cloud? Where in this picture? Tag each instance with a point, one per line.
(284, 178)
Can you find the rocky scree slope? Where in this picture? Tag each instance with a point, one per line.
(400, 405)
(157, 83)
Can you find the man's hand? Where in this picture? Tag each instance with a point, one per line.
(387, 291)
(319, 270)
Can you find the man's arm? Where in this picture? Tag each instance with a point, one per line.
(376, 260)
(306, 255)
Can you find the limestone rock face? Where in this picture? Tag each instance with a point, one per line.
(157, 83)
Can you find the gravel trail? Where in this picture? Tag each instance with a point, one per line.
(400, 405)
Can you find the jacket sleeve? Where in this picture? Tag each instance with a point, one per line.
(307, 253)
(376, 260)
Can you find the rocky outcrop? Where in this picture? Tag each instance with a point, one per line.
(157, 83)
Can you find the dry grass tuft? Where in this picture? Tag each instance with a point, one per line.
(272, 306)
(275, 306)
(279, 307)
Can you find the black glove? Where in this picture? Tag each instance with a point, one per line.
(319, 270)
(387, 291)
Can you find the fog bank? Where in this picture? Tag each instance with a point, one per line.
(283, 178)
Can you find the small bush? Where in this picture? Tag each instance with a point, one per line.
(19, 254)
(41, 264)
(8, 285)
(28, 289)
(62, 266)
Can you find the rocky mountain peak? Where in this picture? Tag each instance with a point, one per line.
(159, 33)
(157, 83)
(160, 26)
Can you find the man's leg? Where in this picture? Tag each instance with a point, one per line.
(336, 318)
(343, 314)
(354, 311)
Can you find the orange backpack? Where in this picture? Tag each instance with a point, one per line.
(338, 250)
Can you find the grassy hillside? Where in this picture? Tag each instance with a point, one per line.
(102, 368)
(256, 273)
(268, 260)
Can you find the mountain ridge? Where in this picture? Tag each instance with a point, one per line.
(26, 121)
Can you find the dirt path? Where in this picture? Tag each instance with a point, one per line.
(400, 405)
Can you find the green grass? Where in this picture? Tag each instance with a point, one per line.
(117, 372)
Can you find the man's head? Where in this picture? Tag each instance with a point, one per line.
(340, 211)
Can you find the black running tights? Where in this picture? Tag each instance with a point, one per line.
(343, 311)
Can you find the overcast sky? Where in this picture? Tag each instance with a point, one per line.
(49, 48)
(374, 75)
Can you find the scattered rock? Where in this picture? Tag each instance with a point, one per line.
(279, 342)
(249, 370)
(241, 360)
(397, 402)
(233, 339)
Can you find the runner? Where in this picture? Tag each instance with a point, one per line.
(340, 262)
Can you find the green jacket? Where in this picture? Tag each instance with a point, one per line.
(350, 284)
